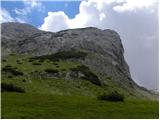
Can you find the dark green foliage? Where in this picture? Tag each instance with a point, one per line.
(10, 76)
(8, 66)
(36, 64)
(11, 88)
(57, 66)
(12, 54)
(23, 80)
(41, 60)
(113, 96)
(109, 77)
(12, 70)
(51, 71)
(55, 63)
(30, 60)
(19, 63)
(88, 74)
(4, 60)
(63, 69)
(63, 55)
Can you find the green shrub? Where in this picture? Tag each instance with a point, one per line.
(57, 66)
(63, 69)
(113, 96)
(88, 75)
(10, 76)
(12, 70)
(51, 71)
(36, 64)
(5, 87)
(30, 60)
(62, 55)
(19, 63)
(4, 60)
(12, 54)
(8, 66)
(23, 80)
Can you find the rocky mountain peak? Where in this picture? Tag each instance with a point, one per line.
(103, 47)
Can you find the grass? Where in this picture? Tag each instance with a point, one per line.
(18, 105)
(49, 97)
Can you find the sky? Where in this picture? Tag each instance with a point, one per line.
(135, 20)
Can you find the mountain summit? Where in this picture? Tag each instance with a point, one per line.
(96, 50)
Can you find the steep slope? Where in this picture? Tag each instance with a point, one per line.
(102, 48)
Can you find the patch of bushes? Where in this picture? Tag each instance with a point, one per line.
(30, 60)
(63, 55)
(12, 70)
(19, 63)
(8, 66)
(51, 71)
(36, 64)
(57, 66)
(113, 96)
(23, 80)
(10, 76)
(5, 87)
(4, 60)
(88, 75)
(12, 54)
(63, 69)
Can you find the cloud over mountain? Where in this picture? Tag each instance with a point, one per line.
(135, 20)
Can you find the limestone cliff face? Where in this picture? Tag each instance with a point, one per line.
(104, 48)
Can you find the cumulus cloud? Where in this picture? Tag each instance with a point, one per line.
(59, 17)
(94, 13)
(135, 20)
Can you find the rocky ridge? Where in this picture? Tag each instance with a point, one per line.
(103, 47)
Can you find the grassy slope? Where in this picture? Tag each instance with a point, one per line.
(18, 105)
(59, 98)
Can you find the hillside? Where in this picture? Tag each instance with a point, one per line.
(85, 62)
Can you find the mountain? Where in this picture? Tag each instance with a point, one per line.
(97, 55)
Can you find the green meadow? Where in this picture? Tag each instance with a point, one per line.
(52, 97)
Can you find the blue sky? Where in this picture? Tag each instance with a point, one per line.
(71, 8)
(136, 21)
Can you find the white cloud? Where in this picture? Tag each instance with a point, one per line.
(29, 6)
(133, 5)
(94, 13)
(59, 17)
(135, 20)
(5, 16)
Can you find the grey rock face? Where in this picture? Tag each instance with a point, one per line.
(104, 47)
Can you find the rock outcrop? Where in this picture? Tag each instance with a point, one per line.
(103, 47)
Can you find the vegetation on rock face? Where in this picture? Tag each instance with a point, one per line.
(63, 55)
(11, 88)
(12, 70)
(36, 63)
(88, 75)
(113, 96)
(51, 71)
